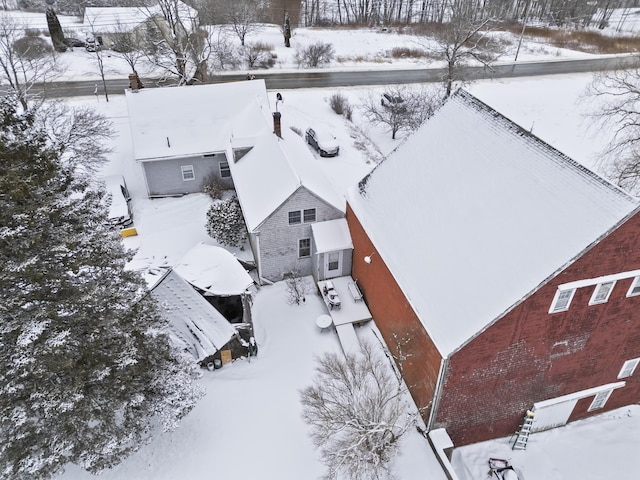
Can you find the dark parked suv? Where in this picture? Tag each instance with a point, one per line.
(324, 142)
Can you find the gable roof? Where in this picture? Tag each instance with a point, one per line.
(194, 120)
(194, 324)
(272, 171)
(472, 213)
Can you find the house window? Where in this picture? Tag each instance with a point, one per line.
(309, 215)
(635, 288)
(225, 172)
(304, 247)
(628, 368)
(562, 300)
(187, 173)
(334, 261)
(600, 399)
(295, 217)
(601, 293)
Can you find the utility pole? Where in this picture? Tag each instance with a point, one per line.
(524, 25)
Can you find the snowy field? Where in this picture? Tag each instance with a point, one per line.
(248, 425)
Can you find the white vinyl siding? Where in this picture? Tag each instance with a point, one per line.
(600, 399)
(601, 293)
(635, 288)
(188, 173)
(628, 368)
(562, 300)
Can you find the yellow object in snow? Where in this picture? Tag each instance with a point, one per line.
(128, 232)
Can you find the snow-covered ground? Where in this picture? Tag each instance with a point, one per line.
(248, 424)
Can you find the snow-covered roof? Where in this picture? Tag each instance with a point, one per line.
(119, 19)
(118, 206)
(193, 120)
(331, 236)
(472, 213)
(213, 270)
(273, 170)
(194, 324)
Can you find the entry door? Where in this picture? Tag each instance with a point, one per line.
(333, 264)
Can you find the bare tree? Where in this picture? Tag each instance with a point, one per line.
(297, 288)
(178, 43)
(466, 36)
(400, 108)
(618, 110)
(126, 46)
(243, 17)
(223, 51)
(22, 68)
(315, 55)
(357, 414)
(80, 134)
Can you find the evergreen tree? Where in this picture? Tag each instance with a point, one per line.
(287, 30)
(226, 224)
(85, 366)
(55, 30)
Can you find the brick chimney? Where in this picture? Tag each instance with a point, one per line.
(277, 129)
(134, 82)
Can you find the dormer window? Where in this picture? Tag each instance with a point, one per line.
(562, 300)
(601, 293)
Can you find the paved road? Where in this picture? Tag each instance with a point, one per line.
(327, 78)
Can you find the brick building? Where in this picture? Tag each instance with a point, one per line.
(504, 276)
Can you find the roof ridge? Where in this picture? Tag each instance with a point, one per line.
(552, 153)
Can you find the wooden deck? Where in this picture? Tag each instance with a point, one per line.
(350, 311)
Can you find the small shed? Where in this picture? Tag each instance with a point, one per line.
(195, 326)
(332, 249)
(218, 275)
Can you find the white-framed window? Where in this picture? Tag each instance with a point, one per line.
(562, 300)
(628, 368)
(225, 172)
(304, 247)
(601, 293)
(188, 173)
(309, 215)
(295, 217)
(635, 287)
(600, 399)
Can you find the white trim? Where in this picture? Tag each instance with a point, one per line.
(578, 395)
(634, 284)
(629, 365)
(226, 169)
(595, 281)
(596, 291)
(556, 298)
(600, 400)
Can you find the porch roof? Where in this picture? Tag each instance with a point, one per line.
(332, 235)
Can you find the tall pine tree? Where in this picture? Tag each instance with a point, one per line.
(86, 370)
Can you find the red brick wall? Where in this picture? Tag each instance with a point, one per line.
(530, 355)
(395, 318)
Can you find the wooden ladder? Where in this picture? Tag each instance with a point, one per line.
(525, 430)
